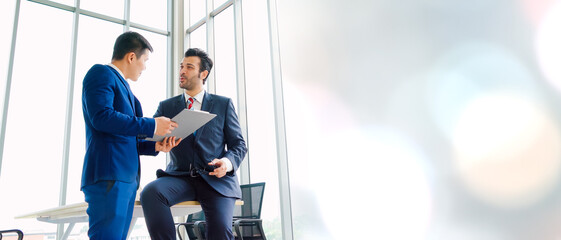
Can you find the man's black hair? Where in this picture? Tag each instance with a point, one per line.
(130, 42)
(206, 62)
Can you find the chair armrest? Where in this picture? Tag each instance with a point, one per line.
(184, 224)
(239, 221)
(179, 225)
(244, 220)
(19, 232)
(197, 228)
(258, 222)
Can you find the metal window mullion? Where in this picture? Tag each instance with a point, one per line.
(187, 33)
(127, 24)
(211, 80)
(245, 177)
(179, 39)
(69, 108)
(82, 11)
(196, 25)
(9, 82)
(55, 4)
(102, 17)
(280, 128)
(126, 21)
(221, 8)
(170, 46)
(150, 29)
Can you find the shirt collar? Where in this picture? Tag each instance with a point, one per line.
(118, 70)
(199, 97)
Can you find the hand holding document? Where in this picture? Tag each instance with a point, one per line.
(164, 125)
(188, 121)
(167, 144)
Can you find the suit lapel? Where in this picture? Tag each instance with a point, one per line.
(126, 84)
(179, 105)
(207, 102)
(207, 106)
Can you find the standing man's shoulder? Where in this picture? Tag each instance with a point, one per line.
(98, 70)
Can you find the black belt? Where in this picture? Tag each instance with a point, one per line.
(194, 172)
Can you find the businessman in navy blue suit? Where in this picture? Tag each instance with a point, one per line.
(114, 127)
(201, 167)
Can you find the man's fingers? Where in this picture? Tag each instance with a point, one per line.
(216, 162)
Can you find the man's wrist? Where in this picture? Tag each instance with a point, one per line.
(155, 126)
(228, 164)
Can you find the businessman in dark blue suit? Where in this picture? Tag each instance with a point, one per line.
(201, 167)
(114, 125)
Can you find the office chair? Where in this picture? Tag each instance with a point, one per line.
(247, 222)
(17, 231)
(188, 225)
(247, 217)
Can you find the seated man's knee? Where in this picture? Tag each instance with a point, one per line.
(149, 193)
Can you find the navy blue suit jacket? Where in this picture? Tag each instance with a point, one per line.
(114, 124)
(208, 143)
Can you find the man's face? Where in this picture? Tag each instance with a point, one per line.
(138, 65)
(189, 76)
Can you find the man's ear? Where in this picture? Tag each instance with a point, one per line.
(204, 74)
(130, 57)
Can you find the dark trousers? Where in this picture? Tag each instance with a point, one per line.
(159, 195)
(110, 206)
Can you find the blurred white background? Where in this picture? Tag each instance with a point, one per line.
(425, 119)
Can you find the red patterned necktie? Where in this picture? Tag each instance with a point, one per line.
(190, 103)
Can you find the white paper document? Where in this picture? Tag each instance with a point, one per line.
(188, 121)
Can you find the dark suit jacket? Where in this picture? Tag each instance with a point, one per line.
(114, 124)
(209, 142)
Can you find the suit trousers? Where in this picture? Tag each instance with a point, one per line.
(159, 195)
(110, 207)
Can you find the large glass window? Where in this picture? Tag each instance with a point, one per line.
(261, 122)
(36, 117)
(225, 55)
(198, 38)
(197, 11)
(7, 9)
(258, 90)
(39, 93)
(112, 8)
(150, 13)
(217, 3)
(38, 102)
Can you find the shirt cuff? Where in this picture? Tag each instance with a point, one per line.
(155, 127)
(228, 164)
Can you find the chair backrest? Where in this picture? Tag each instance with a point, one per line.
(192, 218)
(198, 216)
(252, 196)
